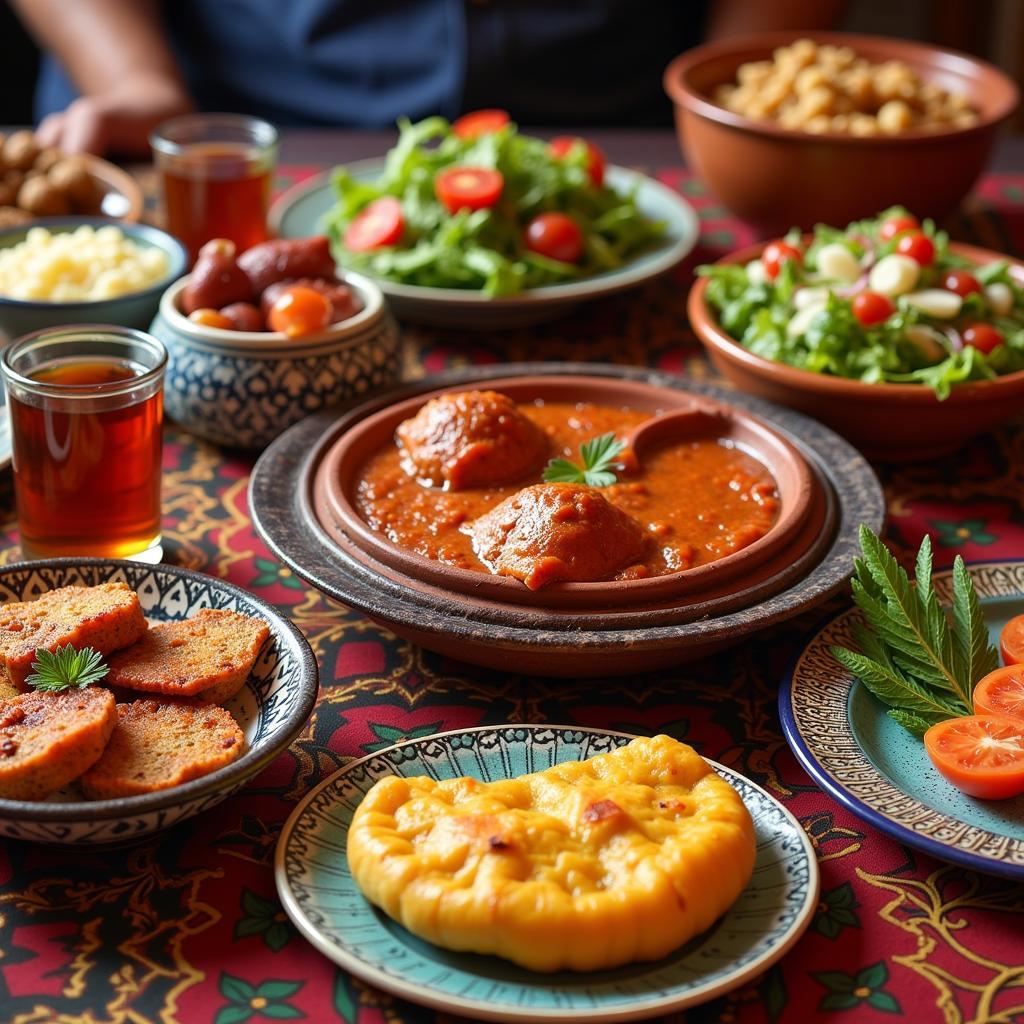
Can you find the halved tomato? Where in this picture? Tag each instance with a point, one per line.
(596, 162)
(378, 224)
(468, 188)
(480, 122)
(983, 755)
(1011, 641)
(1001, 693)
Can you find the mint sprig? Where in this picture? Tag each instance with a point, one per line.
(911, 658)
(598, 456)
(66, 668)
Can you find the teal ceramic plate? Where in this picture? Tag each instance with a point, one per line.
(321, 898)
(299, 212)
(852, 749)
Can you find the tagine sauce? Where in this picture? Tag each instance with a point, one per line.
(699, 500)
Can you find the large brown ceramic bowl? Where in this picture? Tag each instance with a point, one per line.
(294, 512)
(888, 422)
(776, 177)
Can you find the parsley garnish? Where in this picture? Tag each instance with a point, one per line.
(66, 668)
(910, 657)
(598, 455)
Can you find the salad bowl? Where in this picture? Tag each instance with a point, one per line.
(302, 209)
(887, 421)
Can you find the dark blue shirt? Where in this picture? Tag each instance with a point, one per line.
(362, 63)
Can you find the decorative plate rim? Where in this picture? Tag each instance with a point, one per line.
(249, 764)
(894, 828)
(636, 1011)
(662, 259)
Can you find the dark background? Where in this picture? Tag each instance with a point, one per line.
(993, 29)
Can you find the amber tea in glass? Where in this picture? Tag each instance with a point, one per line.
(217, 172)
(86, 408)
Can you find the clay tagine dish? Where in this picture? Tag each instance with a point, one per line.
(593, 521)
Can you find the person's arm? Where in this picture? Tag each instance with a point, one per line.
(116, 54)
(742, 17)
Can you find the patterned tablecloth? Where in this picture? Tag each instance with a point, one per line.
(186, 927)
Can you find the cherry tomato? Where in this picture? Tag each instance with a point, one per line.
(919, 247)
(556, 236)
(775, 254)
(480, 122)
(596, 162)
(211, 318)
(299, 311)
(468, 188)
(872, 308)
(378, 224)
(1001, 693)
(983, 755)
(1011, 641)
(983, 337)
(894, 226)
(961, 282)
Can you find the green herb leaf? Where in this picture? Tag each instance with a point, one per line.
(598, 456)
(911, 722)
(66, 668)
(909, 657)
(970, 636)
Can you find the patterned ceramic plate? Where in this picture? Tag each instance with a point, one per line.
(321, 898)
(271, 709)
(853, 750)
(299, 213)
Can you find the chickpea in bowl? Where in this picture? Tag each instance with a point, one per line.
(848, 125)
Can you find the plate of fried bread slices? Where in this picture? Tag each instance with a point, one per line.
(546, 873)
(135, 696)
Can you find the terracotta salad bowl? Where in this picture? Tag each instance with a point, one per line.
(302, 503)
(888, 422)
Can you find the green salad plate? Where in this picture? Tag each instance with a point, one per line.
(300, 211)
(320, 896)
(875, 768)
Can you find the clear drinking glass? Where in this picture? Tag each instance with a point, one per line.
(86, 410)
(217, 172)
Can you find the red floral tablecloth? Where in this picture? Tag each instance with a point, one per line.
(186, 927)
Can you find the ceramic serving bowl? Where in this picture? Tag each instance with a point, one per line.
(888, 422)
(273, 706)
(763, 567)
(136, 309)
(775, 177)
(243, 388)
(578, 629)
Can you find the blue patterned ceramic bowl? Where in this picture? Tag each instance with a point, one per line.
(136, 309)
(243, 389)
(272, 707)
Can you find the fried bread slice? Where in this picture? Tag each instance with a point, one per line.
(208, 656)
(49, 739)
(106, 617)
(157, 744)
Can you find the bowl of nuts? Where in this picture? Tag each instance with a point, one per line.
(39, 181)
(833, 127)
(84, 270)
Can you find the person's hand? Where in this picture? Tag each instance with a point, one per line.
(119, 120)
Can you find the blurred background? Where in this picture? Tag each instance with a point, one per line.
(992, 29)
